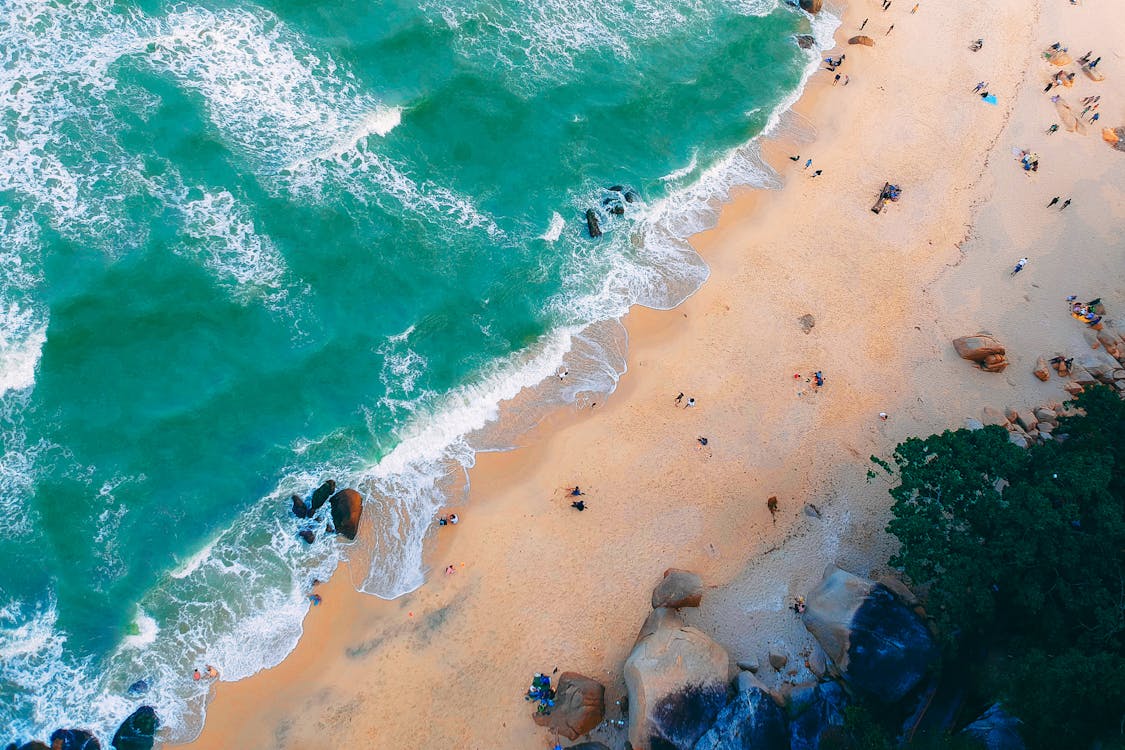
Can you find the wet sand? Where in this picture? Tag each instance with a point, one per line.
(540, 585)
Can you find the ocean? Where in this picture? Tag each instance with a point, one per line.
(248, 246)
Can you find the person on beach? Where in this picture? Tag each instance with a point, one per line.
(212, 673)
(1053, 129)
(819, 378)
(450, 570)
(847, 79)
(1019, 266)
(864, 23)
(1049, 87)
(196, 676)
(914, 9)
(579, 505)
(702, 441)
(1065, 204)
(680, 398)
(453, 519)
(315, 599)
(808, 163)
(883, 416)
(892, 28)
(691, 401)
(979, 86)
(1095, 117)
(562, 373)
(791, 158)
(771, 505)
(1053, 201)
(1094, 64)
(837, 80)
(817, 173)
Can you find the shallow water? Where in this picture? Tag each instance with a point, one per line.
(245, 247)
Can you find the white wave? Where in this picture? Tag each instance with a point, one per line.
(554, 230)
(146, 630)
(19, 357)
(683, 171)
(192, 563)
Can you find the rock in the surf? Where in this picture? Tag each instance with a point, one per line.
(138, 731)
(677, 680)
(806, 41)
(811, 6)
(74, 739)
(321, 495)
(679, 588)
(579, 706)
(632, 196)
(347, 506)
(881, 647)
(308, 535)
(592, 224)
(300, 507)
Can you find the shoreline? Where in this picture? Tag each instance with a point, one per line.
(366, 668)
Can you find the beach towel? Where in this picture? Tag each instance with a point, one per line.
(991, 98)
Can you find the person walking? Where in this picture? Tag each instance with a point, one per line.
(1053, 201)
(837, 80)
(980, 85)
(1095, 117)
(1019, 266)
(890, 30)
(1053, 129)
(808, 163)
(864, 23)
(847, 79)
(817, 173)
(1065, 204)
(1094, 64)
(914, 9)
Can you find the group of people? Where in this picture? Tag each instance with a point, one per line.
(542, 693)
(209, 672)
(691, 399)
(1085, 311)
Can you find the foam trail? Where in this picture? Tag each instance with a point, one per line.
(684, 171)
(554, 230)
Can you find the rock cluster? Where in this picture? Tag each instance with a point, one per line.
(138, 732)
(346, 508)
(983, 349)
(1026, 426)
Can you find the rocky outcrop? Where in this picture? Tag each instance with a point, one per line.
(866, 41)
(138, 731)
(984, 349)
(347, 507)
(816, 715)
(579, 706)
(1042, 369)
(751, 721)
(811, 6)
(321, 494)
(881, 648)
(677, 680)
(300, 507)
(74, 739)
(592, 225)
(996, 730)
(806, 41)
(679, 588)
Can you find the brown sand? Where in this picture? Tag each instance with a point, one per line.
(540, 585)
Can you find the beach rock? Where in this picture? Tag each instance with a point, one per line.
(1044, 414)
(138, 731)
(778, 660)
(751, 721)
(994, 363)
(866, 41)
(817, 662)
(676, 678)
(1081, 375)
(1073, 388)
(308, 535)
(1042, 369)
(811, 6)
(973, 424)
(806, 322)
(74, 739)
(996, 729)
(1045, 428)
(579, 706)
(992, 415)
(806, 41)
(347, 506)
(138, 688)
(320, 495)
(976, 348)
(816, 715)
(749, 664)
(592, 224)
(632, 196)
(300, 507)
(1019, 439)
(1026, 420)
(881, 647)
(679, 588)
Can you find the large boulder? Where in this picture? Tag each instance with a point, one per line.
(677, 680)
(816, 715)
(811, 6)
(806, 41)
(74, 739)
(996, 729)
(751, 721)
(138, 731)
(881, 647)
(347, 507)
(320, 495)
(977, 348)
(866, 41)
(678, 589)
(300, 507)
(579, 706)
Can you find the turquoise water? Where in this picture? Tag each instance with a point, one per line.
(246, 247)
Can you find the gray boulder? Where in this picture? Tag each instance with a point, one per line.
(74, 739)
(320, 496)
(137, 732)
(996, 729)
(676, 678)
(751, 721)
(816, 715)
(678, 589)
(880, 646)
(811, 6)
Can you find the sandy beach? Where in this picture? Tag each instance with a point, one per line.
(538, 585)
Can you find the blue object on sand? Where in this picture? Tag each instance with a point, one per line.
(991, 98)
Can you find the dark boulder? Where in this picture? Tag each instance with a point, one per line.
(138, 731)
(300, 507)
(74, 739)
(679, 588)
(308, 535)
(816, 715)
(880, 646)
(751, 721)
(34, 745)
(811, 6)
(632, 196)
(806, 41)
(592, 224)
(579, 706)
(321, 495)
(347, 506)
(138, 688)
(996, 729)
(616, 188)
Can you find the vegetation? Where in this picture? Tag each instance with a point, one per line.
(1021, 554)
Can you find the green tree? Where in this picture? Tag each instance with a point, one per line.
(1022, 555)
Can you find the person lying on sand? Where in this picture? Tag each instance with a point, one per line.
(579, 505)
